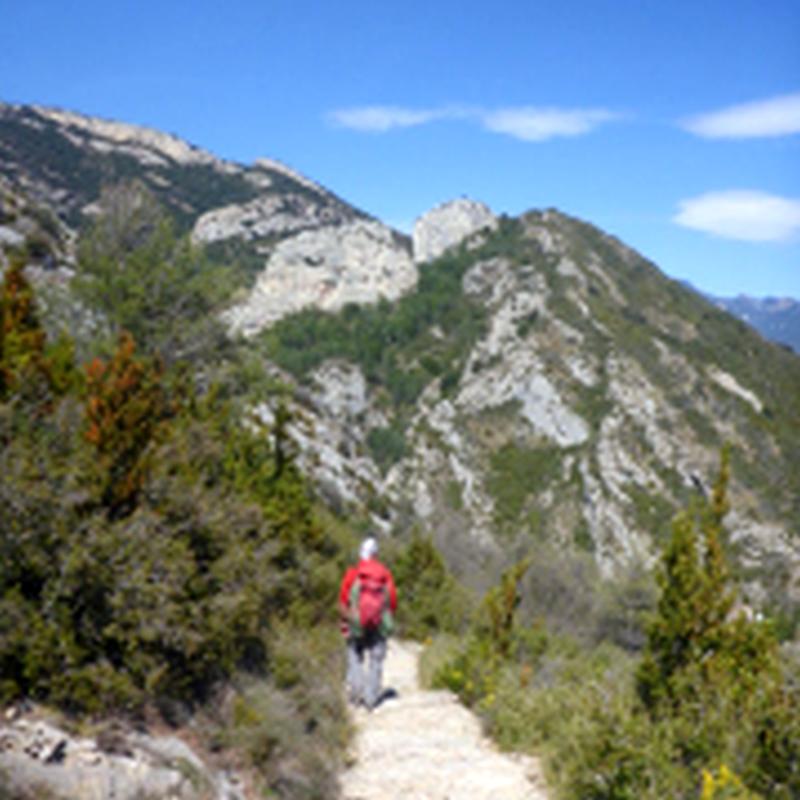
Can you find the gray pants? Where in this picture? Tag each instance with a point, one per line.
(365, 657)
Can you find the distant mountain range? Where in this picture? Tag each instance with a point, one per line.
(775, 318)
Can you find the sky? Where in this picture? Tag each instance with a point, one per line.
(674, 125)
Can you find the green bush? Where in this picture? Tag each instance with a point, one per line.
(494, 639)
(387, 446)
(431, 600)
(516, 474)
(291, 727)
(143, 278)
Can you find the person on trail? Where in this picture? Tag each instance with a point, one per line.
(367, 601)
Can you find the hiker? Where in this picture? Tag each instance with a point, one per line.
(367, 601)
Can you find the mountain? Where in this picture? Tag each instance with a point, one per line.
(543, 383)
(776, 318)
(507, 384)
(63, 161)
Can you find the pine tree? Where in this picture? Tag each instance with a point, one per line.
(22, 338)
(694, 645)
(126, 408)
(499, 608)
(146, 279)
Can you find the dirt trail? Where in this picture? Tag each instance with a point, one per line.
(424, 745)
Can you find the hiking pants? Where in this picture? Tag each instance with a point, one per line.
(365, 656)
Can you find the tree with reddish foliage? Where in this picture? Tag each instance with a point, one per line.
(22, 338)
(126, 408)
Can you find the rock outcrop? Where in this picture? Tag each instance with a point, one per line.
(328, 268)
(148, 145)
(266, 216)
(330, 432)
(40, 758)
(448, 225)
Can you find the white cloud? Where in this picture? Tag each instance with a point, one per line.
(539, 124)
(528, 123)
(379, 119)
(778, 116)
(739, 214)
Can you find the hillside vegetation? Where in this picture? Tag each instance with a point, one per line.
(541, 415)
(159, 551)
(162, 553)
(709, 709)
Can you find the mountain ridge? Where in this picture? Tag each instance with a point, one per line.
(536, 381)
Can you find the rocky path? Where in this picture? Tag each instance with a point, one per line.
(424, 745)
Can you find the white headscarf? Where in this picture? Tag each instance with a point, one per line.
(369, 549)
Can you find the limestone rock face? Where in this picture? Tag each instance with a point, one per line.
(330, 432)
(269, 215)
(39, 758)
(448, 225)
(327, 268)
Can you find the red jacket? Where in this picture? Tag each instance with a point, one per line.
(373, 569)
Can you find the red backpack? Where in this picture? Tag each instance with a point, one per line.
(369, 600)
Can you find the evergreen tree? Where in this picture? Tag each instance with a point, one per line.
(126, 406)
(22, 337)
(694, 645)
(145, 279)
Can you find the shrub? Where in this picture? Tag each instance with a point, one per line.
(494, 639)
(291, 727)
(143, 278)
(163, 583)
(691, 631)
(387, 446)
(432, 600)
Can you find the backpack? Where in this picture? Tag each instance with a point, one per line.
(369, 604)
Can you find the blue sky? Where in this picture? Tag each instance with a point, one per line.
(673, 125)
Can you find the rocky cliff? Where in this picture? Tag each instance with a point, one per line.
(448, 225)
(360, 262)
